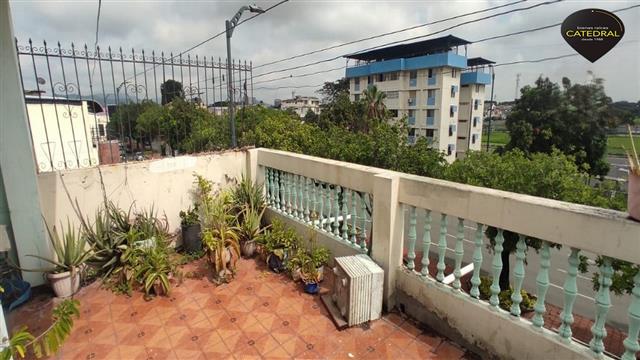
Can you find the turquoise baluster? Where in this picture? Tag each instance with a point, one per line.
(363, 233)
(345, 208)
(354, 217)
(278, 190)
(272, 191)
(631, 344)
(289, 205)
(336, 212)
(459, 253)
(267, 179)
(496, 266)
(603, 303)
(411, 251)
(542, 280)
(301, 187)
(322, 205)
(426, 243)
(518, 275)
(314, 200)
(327, 225)
(307, 198)
(570, 293)
(294, 189)
(442, 248)
(477, 261)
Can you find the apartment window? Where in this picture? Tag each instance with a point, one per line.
(452, 130)
(380, 77)
(462, 138)
(391, 76)
(356, 84)
(369, 80)
(454, 73)
(393, 112)
(454, 89)
(101, 129)
(452, 110)
(392, 94)
(473, 138)
(475, 121)
(430, 73)
(413, 74)
(477, 88)
(431, 114)
(450, 149)
(431, 93)
(412, 132)
(476, 103)
(430, 133)
(356, 97)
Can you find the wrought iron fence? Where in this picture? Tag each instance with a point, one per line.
(72, 96)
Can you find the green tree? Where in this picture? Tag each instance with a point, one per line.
(170, 90)
(124, 122)
(552, 176)
(572, 119)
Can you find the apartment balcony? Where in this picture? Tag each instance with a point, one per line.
(475, 77)
(431, 101)
(429, 236)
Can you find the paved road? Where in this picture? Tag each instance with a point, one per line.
(585, 303)
(618, 167)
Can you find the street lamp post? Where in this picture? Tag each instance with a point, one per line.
(230, 26)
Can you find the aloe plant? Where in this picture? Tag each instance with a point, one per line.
(70, 249)
(250, 228)
(154, 270)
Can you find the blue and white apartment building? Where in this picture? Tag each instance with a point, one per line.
(440, 91)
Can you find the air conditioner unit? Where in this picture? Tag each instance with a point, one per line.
(357, 292)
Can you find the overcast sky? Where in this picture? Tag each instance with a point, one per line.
(299, 26)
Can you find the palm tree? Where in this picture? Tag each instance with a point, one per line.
(374, 100)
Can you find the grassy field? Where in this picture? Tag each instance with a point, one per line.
(615, 143)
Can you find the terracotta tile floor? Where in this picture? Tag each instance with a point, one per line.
(259, 315)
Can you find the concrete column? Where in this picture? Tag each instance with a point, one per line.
(254, 171)
(386, 249)
(17, 157)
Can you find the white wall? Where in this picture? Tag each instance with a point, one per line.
(166, 184)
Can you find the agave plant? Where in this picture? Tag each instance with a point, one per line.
(70, 249)
(250, 228)
(248, 194)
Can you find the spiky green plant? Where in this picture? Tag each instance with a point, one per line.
(250, 227)
(154, 270)
(248, 194)
(70, 249)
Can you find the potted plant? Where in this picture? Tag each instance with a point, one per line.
(296, 261)
(633, 193)
(310, 278)
(250, 229)
(319, 257)
(71, 253)
(190, 225)
(277, 243)
(154, 271)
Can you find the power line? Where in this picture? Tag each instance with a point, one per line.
(388, 33)
(289, 87)
(214, 36)
(415, 37)
(471, 43)
(299, 75)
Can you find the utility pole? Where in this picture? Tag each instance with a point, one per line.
(229, 27)
(493, 81)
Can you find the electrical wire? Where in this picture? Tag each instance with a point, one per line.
(388, 33)
(415, 37)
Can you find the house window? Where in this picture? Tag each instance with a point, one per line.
(454, 73)
(356, 97)
(101, 129)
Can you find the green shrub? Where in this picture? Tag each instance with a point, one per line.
(528, 300)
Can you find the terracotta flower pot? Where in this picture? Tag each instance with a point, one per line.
(633, 196)
(248, 248)
(65, 284)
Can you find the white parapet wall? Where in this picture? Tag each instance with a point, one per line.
(494, 331)
(165, 184)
